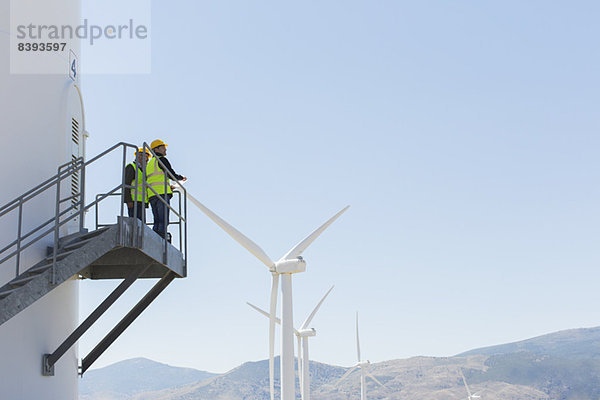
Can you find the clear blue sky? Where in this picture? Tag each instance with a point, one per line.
(464, 135)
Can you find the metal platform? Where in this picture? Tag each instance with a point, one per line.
(128, 250)
(117, 261)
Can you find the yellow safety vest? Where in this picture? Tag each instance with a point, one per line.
(137, 193)
(155, 177)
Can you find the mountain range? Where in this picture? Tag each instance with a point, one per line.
(560, 366)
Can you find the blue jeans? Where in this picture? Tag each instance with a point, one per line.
(160, 212)
(140, 211)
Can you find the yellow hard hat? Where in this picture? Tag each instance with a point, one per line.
(158, 143)
(142, 150)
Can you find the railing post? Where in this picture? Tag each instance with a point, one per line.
(135, 202)
(185, 230)
(180, 210)
(96, 209)
(82, 196)
(121, 222)
(165, 215)
(56, 225)
(20, 224)
(144, 192)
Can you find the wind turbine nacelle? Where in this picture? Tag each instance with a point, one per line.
(290, 266)
(307, 332)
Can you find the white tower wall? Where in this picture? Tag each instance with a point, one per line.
(36, 114)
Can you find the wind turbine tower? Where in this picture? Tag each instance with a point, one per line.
(363, 369)
(291, 263)
(469, 395)
(45, 245)
(302, 335)
(38, 114)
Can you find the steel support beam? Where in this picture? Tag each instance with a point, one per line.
(48, 360)
(126, 321)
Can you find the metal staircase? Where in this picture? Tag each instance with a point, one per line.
(127, 250)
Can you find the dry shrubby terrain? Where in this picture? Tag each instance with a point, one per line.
(564, 365)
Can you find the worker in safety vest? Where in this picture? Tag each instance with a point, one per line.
(135, 195)
(159, 193)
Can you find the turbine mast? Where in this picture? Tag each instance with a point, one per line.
(363, 384)
(305, 369)
(287, 339)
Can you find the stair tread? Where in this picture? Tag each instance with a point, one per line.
(19, 281)
(78, 244)
(40, 268)
(90, 235)
(47, 262)
(77, 238)
(69, 238)
(61, 255)
(6, 292)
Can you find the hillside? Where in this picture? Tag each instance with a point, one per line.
(582, 344)
(560, 366)
(130, 377)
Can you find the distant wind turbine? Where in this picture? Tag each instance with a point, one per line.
(290, 263)
(363, 369)
(469, 395)
(302, 335)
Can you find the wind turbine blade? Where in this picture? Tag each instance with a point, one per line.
(266, 314)
(357, 340)
(300, 247)
(346, 375)
(312, 314)
(300, 377)
(372, 377)
(272, 312)
(234, 233)
(263, 312)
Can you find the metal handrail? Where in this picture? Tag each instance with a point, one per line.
(179, 221)
(43, 235)
(112, 194)
(58, 178)
(51, 181)
(77, 208)
(29, 194)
